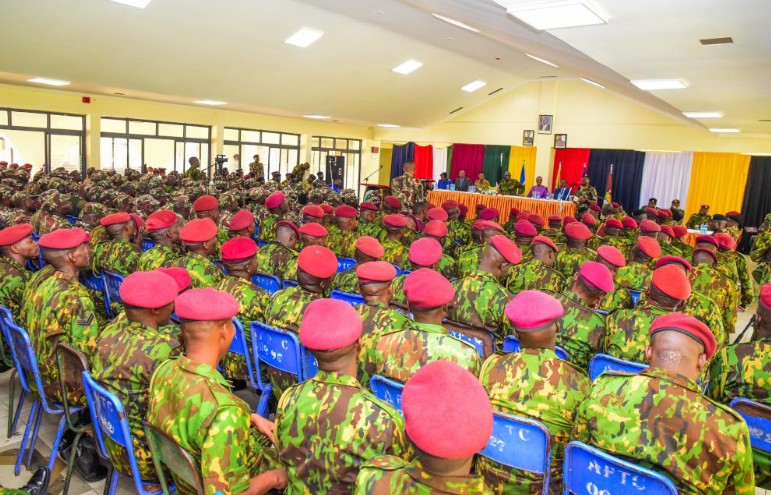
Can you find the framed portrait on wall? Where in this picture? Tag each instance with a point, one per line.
(545, 124)
(528, 137)
(560, 141)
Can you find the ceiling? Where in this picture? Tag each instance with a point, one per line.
(184, 50)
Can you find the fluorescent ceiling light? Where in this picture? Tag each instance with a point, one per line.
(210, 102)
(543, 61)
(389, 126)
(407, 67)
(726, 129)
(555, 14)
(140, 4)
(473, 86)
(762, 153)
(50, 82)
(317, 117)
(589, 81)
(704, 115)
(455, 22)
(655, 84)
(304, 37)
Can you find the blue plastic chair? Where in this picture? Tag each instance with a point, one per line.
(92, 281)
(26, 365)
(240, 346)
(345, 264)
(520, 443)
(406, 272)
(511, 344)
(398, 270)
(755, 415)
(387, 390)
(13, 420)
(477, 343)
(270, 283)
(36, 237)
(590, 468)
(635, 296)
(112, 283)
(349, 297)
(109, 418)
(71, 218)
(289, 283)
(601, 363)
(147, 244)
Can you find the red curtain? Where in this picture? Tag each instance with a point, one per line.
(573, 161)
(424, 162)
(468, 157)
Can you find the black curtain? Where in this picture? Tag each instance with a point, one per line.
(757, 200)
(627, 175)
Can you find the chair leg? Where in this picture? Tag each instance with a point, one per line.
(23, 446)
(22, 396)
(71, 462)
(57, 441)
(33, 439)
(111, 484)
(262, 406)
(11, 427)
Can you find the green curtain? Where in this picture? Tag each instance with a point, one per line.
(495, 163)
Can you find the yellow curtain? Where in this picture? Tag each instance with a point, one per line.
(717, 180)
(516, 157)
(384, 176)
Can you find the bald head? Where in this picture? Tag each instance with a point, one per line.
(677, 353)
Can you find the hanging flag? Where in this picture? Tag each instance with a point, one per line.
(522, 174)
(559, 174)
(609, 186)
(585, 172)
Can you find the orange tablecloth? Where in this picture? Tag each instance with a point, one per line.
(690, 237)
(503, 204)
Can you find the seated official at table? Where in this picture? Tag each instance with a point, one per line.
(462, 183)
(539, 191)
(443, 183)
(482, 184)
(563, 192)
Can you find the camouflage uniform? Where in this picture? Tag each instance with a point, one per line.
(535, 275)
(194, 173)
(44, 221)
(158, 256)
(468, 260)
(371, 229)
(314, 426)
(116, 256)
(702, 307)
(511, 187)
(482, 185)
(126, 356)
(347, 281)
(684, 248)
(408, 189)
(216, 431)
(377, 320)
(391, 474)
(274, 259)
(568, 260)
(714, 285)
(203, 272)
(633, 276)
(397, 287)
(268, 226)
(395, 252)
(343, 243)
(581, 330)
(13, 279)
(744, 279)
(701, 445)
(256, 169)
(534, 384)
(589, 192)
(626, 331)
(480, 302)
(555, 235)
(696, 220)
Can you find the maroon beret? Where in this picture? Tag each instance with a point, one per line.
(3, 162)
(693, 327)
(649, 226)
(525, 228)
(395, 220)
(649, 246)
(490, 225)
(27, 165)
(137, 220)
(180, 276)
(368, 206)
(161, 219)
(615, 205)
(291, 225)
(463, 209)
(672, 282)
(375, 271)
(595, 207)
(514, 212)
(64, 239)
(679, 231)
(345, 211)
(275, 200)
(578, 231)
(596, 275)
(317, 261)
(393, 202)
(314, 211)
(533, 311)
(241, 220)
(450, 205)
(665, 213)
(488, 214)
(539, 239)
(733, 213)
(115, 218)
(447, 413)
(669, 259)
(425, 251)
(589, 219)
(426, 289)
(238, 248)
(206, 305)
(536, 219)
(629, 223)
(206, 202)
(555, 219)
(568, 220)
(666, 229)
(329, 324)
(523, 216)
(327, 208)
(724, 241)
(12, 235)
(436, 228)
(765, 297)
(707, 239)
(370, 246)
(614, 223)
(314, 230)
(653, 212)
(199, 230)
(711, 252)
(148, 290)
(612, 255)
(14, 165)
(508, 249)
(437, 214)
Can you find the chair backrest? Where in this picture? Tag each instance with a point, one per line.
(24, 358)
(345, 264)
(406, 272)
(511, 344)
(270, 283)
(601, 363)
(387, 390)
(92, 281)
(520, 443)
(71, 364)
(112, 282)
(71, 218)
(590, 470)
(5, 318)
(758, 419)
(289, 283)
(478, 337)
(635, 294)
(147, 244)
(398, 269)
(166, 452)
(281, 349)
(240, 346)
(475, 341)
(350, 298)
(35, 236)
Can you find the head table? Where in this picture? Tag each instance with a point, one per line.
(542, 207)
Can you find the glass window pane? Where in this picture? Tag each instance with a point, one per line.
(144, 128)
(293, 158)
(274, 162)
(159, 153)
(135, 154)
(3, 117)
(327, 143)
(271, 138)
(65, 152)
(28, 119)
(341, 144)
(66, 122)
(231, 134)
(171, 130)
(250, 136)
(196, 132)
(23, 147)
(354, 144)
(314, 142)
(113, 125)
(290, 139)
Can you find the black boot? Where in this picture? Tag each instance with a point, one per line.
(87, 463)
(38, 483)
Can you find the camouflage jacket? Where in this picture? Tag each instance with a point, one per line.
(626, 331)
(274, 259)
(535, 275)
(588, 192)
(511, 187)
(377, 320)
(714, 285)
(390, 474)
(347, 281)
(159, 256)
(397, 286)
(480, 302)
(581, 330)
(684, 248)
(371, 229)
(343, 243)
(327, 427)
(468, 260)
(696, 220)
(44, 222)
(703, 446)
(569, 260)
(633, 276)
(743, 274)
(702, 307)
(203, 272)
(761, 247)
(13, 280)
(459, 232)
(116, 256)
(555, 235)
(267, 231)
(395, 252)
(408, 189)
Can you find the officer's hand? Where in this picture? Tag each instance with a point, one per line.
(263, 425)
(281, 479)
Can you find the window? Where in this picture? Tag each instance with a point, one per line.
(277, 150)
(340, 157)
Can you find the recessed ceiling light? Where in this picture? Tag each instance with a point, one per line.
(473, 86)
(589, 81)
(315, 116)
(140, 4)
(50, 82)
(210, 102)
(725, 129)
(455, 22)
(655, 84)
(555, 15)
(407, 67)
(543, 61)
(389, 126)
(704, 115)
(304, 37)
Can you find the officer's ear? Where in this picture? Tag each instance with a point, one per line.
(702, 361)
(648, 354)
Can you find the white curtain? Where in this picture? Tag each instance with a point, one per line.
(666, 176)
(440, 162)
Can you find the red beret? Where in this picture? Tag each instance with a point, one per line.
(205, 203)
(480, 207)
(765, 297)
(291, 225)
(733, 213)
(489, 225)
(589, 219)
(667, 212)
(238, 248)
(567, 220)
(488, 214)
(577, 231)
(368, 206)
(612, 255)
(199, 230)
(275, 200)
(595, 207)
(669, 259)
(533, 311)
(707, 239)
(450, 205)
(447, 413)
(629, 223)
(27, 165)
(679, 231)
(555, 219)
(666, 229)
(137, 220)
(12, 235)
(395, 220)
(724, 241)
(671, 281)
(180, 276)
(436, 228)
(653, 212)
(206, 305)
(536, 219)
(525, 228)
(615, 205)
(3, 162)
(596, 275)
(614, 223)
(14, 165)
(539, 239)
(649, 246)
(314, 230)
(314, 211)
(437, 214)
(242, 219)
(687, 324)
(161, 219)
(375, 271)
(327, 208)
(649, 226)
(462, 208)
(513, 212)
(477, 225)
(523, 216)
(329, 324)
(317, 261)
(345, 211)
(115, 219)
(393, 202)
(507, 248)
(426, 288)
(64, 239)
(425, 251)
(370, 246)
(148, 290)
(711, 252)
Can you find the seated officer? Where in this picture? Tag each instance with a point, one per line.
(200, 240)
(424, 253)
(242, 224)
(163, 227)
(537, 273)
(343, 239)
(118, 255)
(275, 257)
(635, 276)
(16, 247)
(367, 249)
